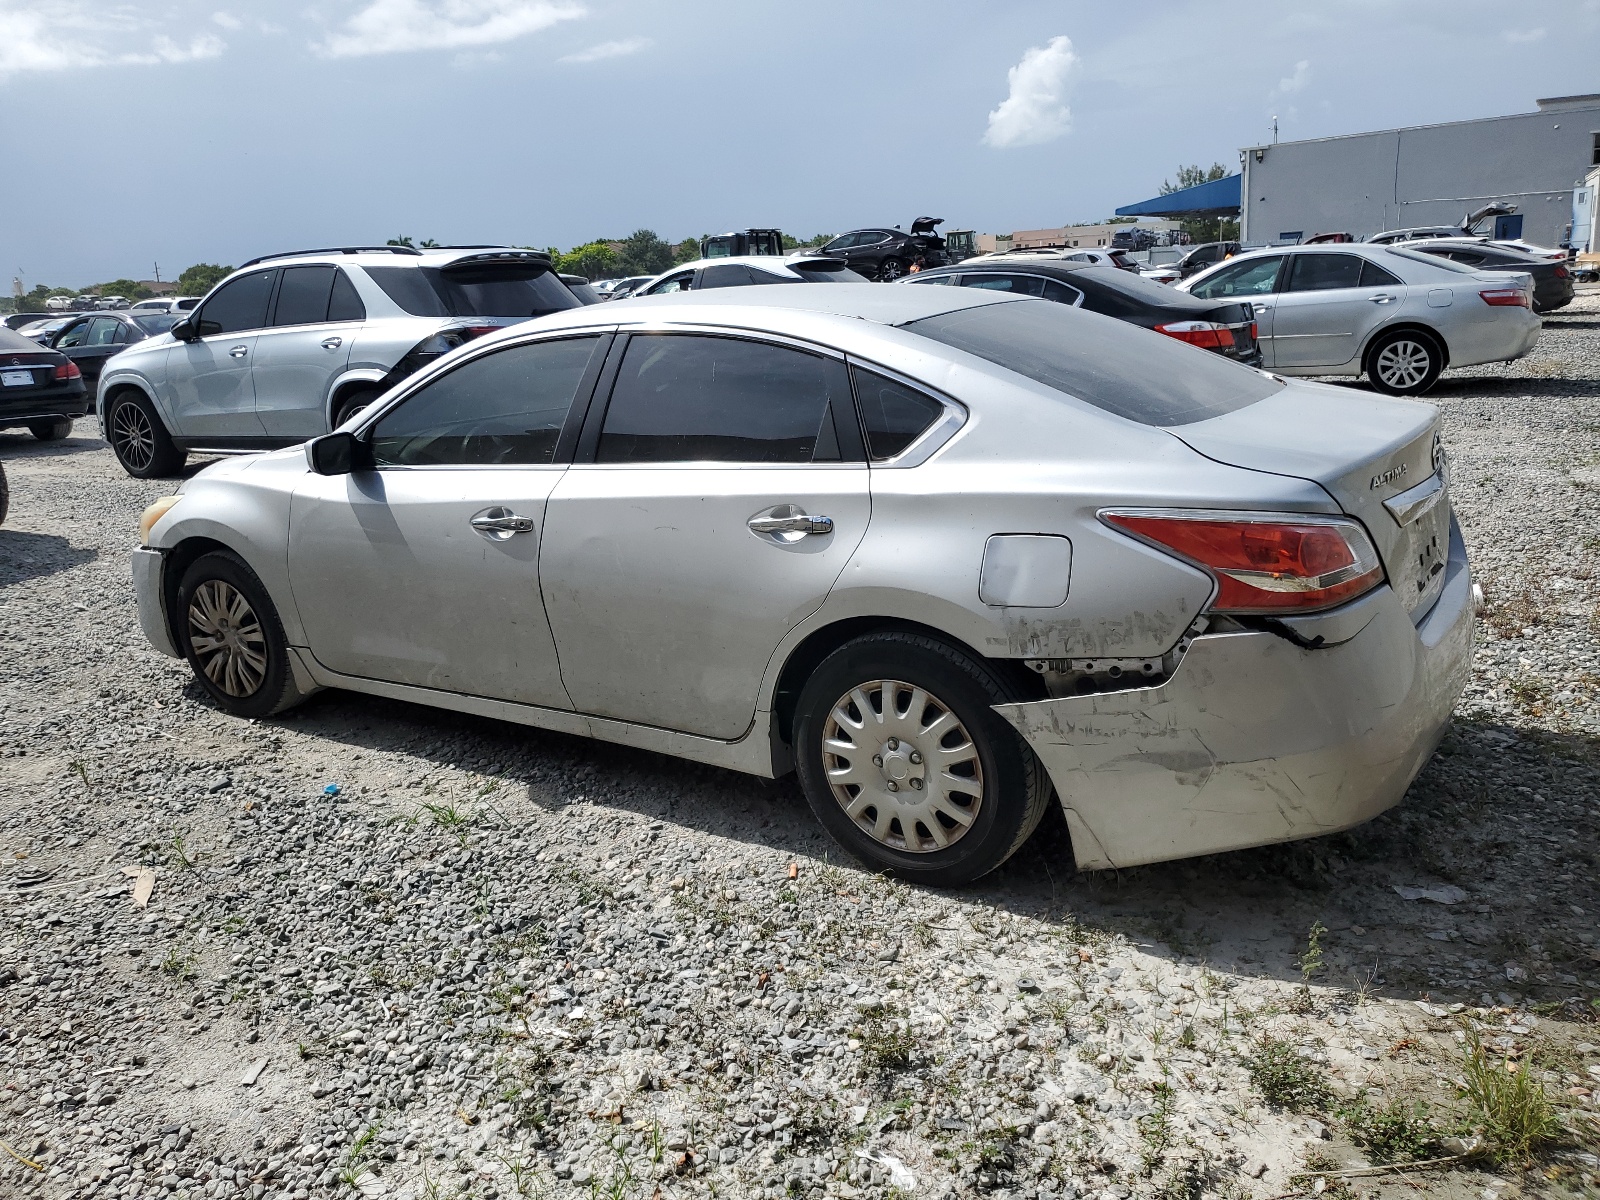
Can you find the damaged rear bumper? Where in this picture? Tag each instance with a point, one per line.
(1255, 739)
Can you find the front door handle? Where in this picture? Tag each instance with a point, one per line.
(332, 343)
(1260, 308)
(238, 351)
(788, 523)
(498, 524)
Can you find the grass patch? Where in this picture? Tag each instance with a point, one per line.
(1511, 1107)
(886, 1039)
(1399, 1131)
(1286, 1078)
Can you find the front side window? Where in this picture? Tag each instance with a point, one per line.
(1323, 272)
(692, 398)
(503, 409)
(237, 306)
(675, 283)
(1253, 277)
(894, 414)
(72, 335)
(303, 296)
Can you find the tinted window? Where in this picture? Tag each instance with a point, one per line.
(707, 399)
(721, 275)
(1253, 277)
(1320, 272)
(303, 296)
(1372, 275)
(1022, 285)
(239, 305)
(504, 409)
(894, 415)
(1432, 260)
(944, 279)
(512, 291)
(345, 304)
(810, 275)
(154, 323)
(1121, 368)
(103, 332)
(73, 335)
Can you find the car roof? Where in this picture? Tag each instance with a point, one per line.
(398, 257)
(995, 262)
(1484, 244)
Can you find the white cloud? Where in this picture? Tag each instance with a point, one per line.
(65, 35)
(1297, 81)
(1036, 110)
(607, 50)
(227, 20)
(396, 26)
(1523, 37)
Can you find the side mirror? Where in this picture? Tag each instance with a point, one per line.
(184, 330)
(337, 453)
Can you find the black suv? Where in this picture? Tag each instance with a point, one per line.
(1133, 239)
(887, 254)
(1208, 254)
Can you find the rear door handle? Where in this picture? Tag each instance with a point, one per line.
(1381, 298)
(788, 523)
(238, 351)
(332, 343)
(500, 523)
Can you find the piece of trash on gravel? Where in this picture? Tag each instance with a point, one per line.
(900, 1175)
(253, 1073)
(1445, 894)
(331, 790)
(144, 883)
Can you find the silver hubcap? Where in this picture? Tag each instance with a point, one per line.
(134, 439)
(1403, 364)
(227, 638)
(890, 270)
(902, 767)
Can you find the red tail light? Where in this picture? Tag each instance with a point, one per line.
(1254, 336)
(68, 370)
(1199, 333)
(468, 332)
(1562, 272)
(1263, 563)
(1505, 297)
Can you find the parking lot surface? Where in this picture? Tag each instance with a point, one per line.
(396, 951)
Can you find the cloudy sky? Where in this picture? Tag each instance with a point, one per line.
(174, 131)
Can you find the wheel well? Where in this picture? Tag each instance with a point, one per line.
(176, 562)
(808, 655)
(344, 389)
(122, 389)
(1432, 335)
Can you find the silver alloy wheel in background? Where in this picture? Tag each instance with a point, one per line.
(902, 766)
(1403, 363)
(132, 435)
(227, 638)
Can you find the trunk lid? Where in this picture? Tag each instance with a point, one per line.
(1381, 460)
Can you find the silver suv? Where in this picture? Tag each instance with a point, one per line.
(293, 345)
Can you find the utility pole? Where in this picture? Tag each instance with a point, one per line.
(1274, 129)
(158, 272)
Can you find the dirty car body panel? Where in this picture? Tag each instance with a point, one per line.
(666, 588)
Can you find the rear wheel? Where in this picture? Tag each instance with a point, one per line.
(139, 439)
(230, 633)
(5, 496)
(353, 402)
(890, 270)
(1404, 363)
(51, 431)
(906, 764)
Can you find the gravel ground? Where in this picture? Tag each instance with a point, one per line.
(401, 952)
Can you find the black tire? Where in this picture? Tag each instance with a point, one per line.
(890, 269)
(1406, 362)
(139, 439)
(5, 496)
(51, 431)
(1010, 788)
(243, 661)
(351, 403)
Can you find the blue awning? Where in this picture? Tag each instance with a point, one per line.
(1220, 196)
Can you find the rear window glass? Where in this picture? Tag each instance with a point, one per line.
(1118, 367)
(153, 323)
(807, 275)
(484, 292)
(1433, 260)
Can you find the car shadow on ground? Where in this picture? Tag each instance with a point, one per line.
(25, 556)
(1478, 818)
(18, 445)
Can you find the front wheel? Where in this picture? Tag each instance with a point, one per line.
(51, 431)
(890, 270)
(139, 439)
(905, 762)
(230, 633)
(1405, 363)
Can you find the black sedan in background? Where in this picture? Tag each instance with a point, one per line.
(39, 388)
(1552, 280)
(95, 337)
(1226, 328)
(887, 254)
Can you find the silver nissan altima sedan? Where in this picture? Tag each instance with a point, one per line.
(946, 553)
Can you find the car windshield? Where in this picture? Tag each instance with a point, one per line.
(153, 323)
(477, 292)
(1118, 367)
(1433, 260)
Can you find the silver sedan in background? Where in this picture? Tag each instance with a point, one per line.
(1396, 315)
(945, 552)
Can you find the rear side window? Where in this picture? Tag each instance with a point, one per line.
(303, 296)
(238, 305)
(504, 409)
(1110, 364)
(687, 398)
(1322, 272)
(1372, 275)
(345, 303)
(894, 415)
(726, 275)
(486, 291)
(1432, 260)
